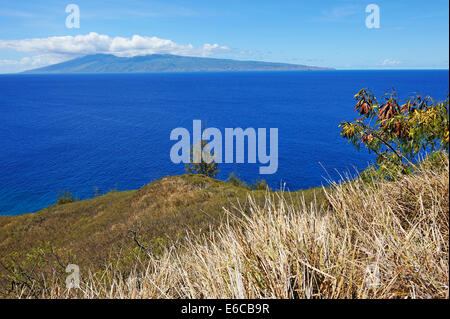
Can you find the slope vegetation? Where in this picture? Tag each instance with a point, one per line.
(117, 226)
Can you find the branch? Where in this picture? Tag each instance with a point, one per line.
(134, 236)
(374, 133)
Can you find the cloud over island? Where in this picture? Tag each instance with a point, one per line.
(57, 49)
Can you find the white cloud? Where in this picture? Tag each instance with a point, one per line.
(339, 13)
(390, 62)
(93, 43)
(37, 61)
(57, 49)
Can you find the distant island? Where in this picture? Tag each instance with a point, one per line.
(105, 63)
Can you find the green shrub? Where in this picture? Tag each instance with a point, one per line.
(260, 185)
(236, 181)
(65, 198)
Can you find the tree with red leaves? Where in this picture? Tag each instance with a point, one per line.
(397, 131)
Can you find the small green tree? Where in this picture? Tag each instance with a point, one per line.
(202, 161)
(31, 272)
(261, 185)
(65, 198)
(398, 132)
(236, 181)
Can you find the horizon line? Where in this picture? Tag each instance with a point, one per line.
(239, 71)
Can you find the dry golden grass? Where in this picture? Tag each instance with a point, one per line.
(383, 240)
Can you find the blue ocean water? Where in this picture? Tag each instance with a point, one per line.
(77, 132)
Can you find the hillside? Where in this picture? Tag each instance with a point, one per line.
(379, 239)
(103, 63)
(91, 232)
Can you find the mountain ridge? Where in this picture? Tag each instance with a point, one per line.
(106, 63)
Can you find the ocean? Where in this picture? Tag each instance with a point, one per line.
(111, 131)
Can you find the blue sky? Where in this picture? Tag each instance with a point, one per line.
(413, 33)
